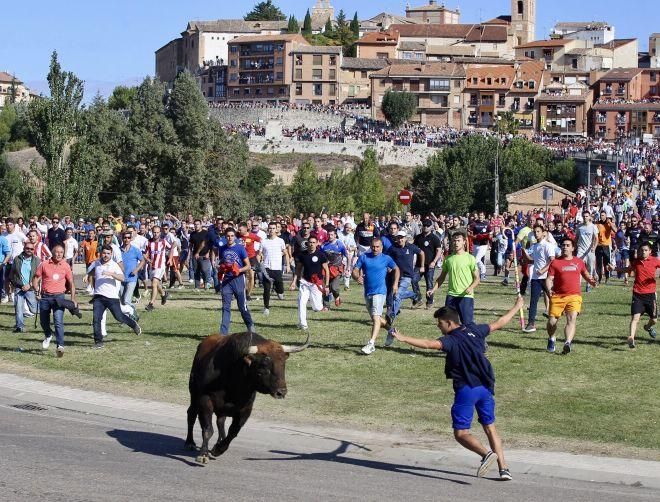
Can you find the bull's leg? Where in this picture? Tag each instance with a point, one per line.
(206, 422)
(237, 422)
(192, 417)
(220, 422)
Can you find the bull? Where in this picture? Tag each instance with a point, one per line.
(227, 372)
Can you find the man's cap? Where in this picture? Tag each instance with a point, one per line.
(427, 223)
(400, 233)
(107, 233)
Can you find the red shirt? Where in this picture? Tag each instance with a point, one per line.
(248, 242)
(157, 251)
(645, 275)
(54, 276)
(567, 275)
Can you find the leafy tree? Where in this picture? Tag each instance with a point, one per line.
(18, 193)
(355, 26)
(328, 28)
(121, 97)
(13, 90)
(563, 173)
(293, 26)
(189, 111)
(265, 11)
(507, 123)
(305, 194)
(398, 106)
(368, 191)
(274, 199)
(307, 24)
(7, 121)
(52, 123)
(258, 177)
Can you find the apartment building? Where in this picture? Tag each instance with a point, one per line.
(628, 102)
(379, 45)
(12, 88)
(437, 86)
(551, 52)
(563, 109)
(596, 32)
(261, 67)
(316, 71)
(486, 89)
(528, 81)
(433, 14)
(355, 79)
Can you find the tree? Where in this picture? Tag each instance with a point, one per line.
(305, 194)
(7, 120)
(563, 173)
(507, 123)
(265, 11)
(399, 106)
(258, 177)
(52, 123)
(293, 26)
(121, 97)
(327, 31)
(13, 90)
(368, 191)
(307, 24)
(355, 26)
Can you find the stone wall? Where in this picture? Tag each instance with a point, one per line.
(387, 153)
(289, 119)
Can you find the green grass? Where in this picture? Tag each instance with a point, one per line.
(603, 397)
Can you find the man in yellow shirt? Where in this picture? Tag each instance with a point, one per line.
(606, 229)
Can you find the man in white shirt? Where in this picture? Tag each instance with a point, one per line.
(541, 254)
(347, 237)
(70, 247)
(107, 276)
(15, 239)
(273, 250)
(587, 241)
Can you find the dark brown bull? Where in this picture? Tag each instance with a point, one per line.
(226, 375)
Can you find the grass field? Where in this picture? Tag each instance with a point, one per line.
(601, 398)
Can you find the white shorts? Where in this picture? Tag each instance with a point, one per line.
(157, 273)
(375, 304)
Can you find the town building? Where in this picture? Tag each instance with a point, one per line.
(563, 109)
(596, 32)
(316, 71)
(628, 103)
(355, 79)
(486, 89)
(13, 90)
(523, 21)
(379, 45)
(437, 86)
(382, 22)
(212, 80)
(528, 81)
(261, 67)
(654, 50)
(320, 14)
(433, 14)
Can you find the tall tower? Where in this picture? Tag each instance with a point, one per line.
(523, 21)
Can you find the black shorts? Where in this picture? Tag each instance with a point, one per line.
(644, 304)
(254, 263)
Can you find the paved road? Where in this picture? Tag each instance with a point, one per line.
(79, 450)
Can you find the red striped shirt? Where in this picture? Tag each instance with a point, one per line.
(157, 251)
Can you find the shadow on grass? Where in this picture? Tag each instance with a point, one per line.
(337, 457)
(508, 345)
(151, 443)
(356, 349)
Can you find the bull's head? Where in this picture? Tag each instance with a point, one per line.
(267, 366)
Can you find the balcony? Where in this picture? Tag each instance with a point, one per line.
(601, 117)
(472, 121)
(607, 91)
(473, 102)
(621, 120)
(487, 102)
(620, 91)
(560, 115)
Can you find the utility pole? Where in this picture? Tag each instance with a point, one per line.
(497, 176)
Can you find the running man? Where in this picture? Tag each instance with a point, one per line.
(481, 233)
(563, 283)
(313, 276)
(157, 258)
(274, 252)
(460, 268)
(587, 241)
(540, 255)
(644, 291)
(473, 380)
(337, 254)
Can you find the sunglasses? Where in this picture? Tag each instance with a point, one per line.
(28, 249)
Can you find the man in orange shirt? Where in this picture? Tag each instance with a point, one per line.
(89, 248)
(53, 278)
(606, 230)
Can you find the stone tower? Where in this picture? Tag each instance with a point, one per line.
(321, 12)
(523, 21)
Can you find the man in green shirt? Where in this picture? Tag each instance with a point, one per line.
(460, 270)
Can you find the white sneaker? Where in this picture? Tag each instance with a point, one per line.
(266, 312)
(27, 313)
(46, 343)
(369, 348)
(191, 281)
(280, 296)
(59, 351)
(5, 299)
(304, 328)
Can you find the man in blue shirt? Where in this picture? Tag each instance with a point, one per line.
(336, 252)
(473, 378)
(133, 261)
(233, 263)
(405, 256)
(371, 270)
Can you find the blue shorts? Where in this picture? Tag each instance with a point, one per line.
(463, 305)
(466, 400)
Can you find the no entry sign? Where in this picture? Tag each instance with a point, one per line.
(405, 197)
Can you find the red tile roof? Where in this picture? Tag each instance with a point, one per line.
(380, 38)
(501, 77)
(546, 43)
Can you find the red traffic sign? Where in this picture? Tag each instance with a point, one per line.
(405, 197)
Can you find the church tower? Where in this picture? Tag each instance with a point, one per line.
(523, 21)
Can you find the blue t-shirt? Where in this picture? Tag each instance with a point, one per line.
(405, 258)
(334, 252)
(230, 255)
(466, 363)
(131, 259)
(26, 268)
(5, 249)
(375, 270)
(387, 242)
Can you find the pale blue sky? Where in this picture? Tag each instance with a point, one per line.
(112, 42)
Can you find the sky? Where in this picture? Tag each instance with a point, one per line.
(113, 42)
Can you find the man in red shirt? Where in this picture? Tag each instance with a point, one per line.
(563, 282)
(54, 277)
(643, 297)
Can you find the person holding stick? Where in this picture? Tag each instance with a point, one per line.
(473, 380)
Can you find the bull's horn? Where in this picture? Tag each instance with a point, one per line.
(252, 349)
(296, 348)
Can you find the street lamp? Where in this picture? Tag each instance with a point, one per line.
(589, 152)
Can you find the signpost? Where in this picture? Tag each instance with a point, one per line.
(405, 197)
(548, 194)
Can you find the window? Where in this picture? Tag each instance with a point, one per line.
(457, 84)
(351, 90)
(232, 63)
(457, 100)
(283, 91)
(530, 103)
(257, 91)
(531, 84)
(653, 76)
(233, 77)
(298, 74)
(489, 81)
(438, 84)
(318, 89)
(317, 74)
(502, 100)
(333, 74)
(516, 104)
(363, 74)
(574, 63)
(439, 99)
(271, 91)
(475, 80)
(519, 84)
(317, 60)
(246, 91)
(332, 89)
(333, 60)
(280, 61)
(299, 89)
(382, 82)
(299, 60)
(237, 92)
(382, 55)
(473, 99)
(521, 8)
(279, 76)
